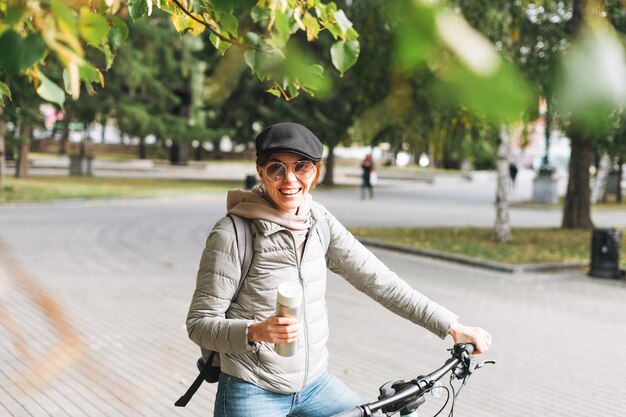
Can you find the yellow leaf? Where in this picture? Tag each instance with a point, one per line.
(180, 23)
(196, 27)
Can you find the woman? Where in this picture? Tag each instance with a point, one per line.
(288, 246)
(366, 184)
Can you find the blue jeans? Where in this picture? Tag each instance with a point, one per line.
(324, 397)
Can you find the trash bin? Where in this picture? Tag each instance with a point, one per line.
(250, 181)
(605, 245)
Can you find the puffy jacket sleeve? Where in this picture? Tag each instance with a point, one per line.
(347, 257)
(216, 285)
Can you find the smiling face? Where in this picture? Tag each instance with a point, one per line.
(287, 191)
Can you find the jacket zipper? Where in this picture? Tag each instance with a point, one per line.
(301, 278)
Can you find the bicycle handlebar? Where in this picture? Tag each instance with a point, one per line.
(353, 412)
(418, 386)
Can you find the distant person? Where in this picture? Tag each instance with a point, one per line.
(512, 172)
(367, 186)
(288, 227)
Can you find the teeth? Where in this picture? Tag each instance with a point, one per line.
(290, 192)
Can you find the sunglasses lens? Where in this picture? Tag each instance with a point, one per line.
(304, 169)
(275, 171)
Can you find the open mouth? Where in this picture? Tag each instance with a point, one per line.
(290, 191)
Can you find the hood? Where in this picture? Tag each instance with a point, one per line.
(253, 205)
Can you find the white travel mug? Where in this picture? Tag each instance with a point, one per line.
(288, 303)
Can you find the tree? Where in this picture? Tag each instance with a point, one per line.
(592, 110)
(34, 34)
(560, 48)
(24, 116)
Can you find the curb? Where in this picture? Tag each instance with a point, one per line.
(476, 262)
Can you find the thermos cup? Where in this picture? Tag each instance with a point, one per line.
(288, 303)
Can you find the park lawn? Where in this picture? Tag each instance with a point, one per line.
(529, 245)
(33, 189)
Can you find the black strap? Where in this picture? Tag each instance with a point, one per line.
(182, 401)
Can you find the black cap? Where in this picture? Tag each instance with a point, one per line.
(289, 137)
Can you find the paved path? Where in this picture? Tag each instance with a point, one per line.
(93, 298)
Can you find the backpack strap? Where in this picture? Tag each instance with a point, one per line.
(319, 214)
(205, 369)
(245, 250)
(245, 247)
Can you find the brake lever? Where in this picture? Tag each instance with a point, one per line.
(467, 367)
(483, 363)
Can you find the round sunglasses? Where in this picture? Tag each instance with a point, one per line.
(277, 171)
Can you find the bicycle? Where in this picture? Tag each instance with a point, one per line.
(407, 396)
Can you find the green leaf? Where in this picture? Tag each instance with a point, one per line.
(17, 53)
(229, 24)
(49, 91)
(259, 14)
(253, 39)
(253, 61)
(342, 21)
(118, 33)
(4, 91)
(219, 44)
(501, 97)
(93, 28)
(274, 92)
(64, 15)
(591, 79)
(109, 56)
(137, 8)
(14, 12)
(313, 80)
(416, 37)
(333, 29)
(263, 61)
(89, 74)
(283, 31)
(344, 54)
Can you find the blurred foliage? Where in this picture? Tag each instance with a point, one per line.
(430, 77)
(37, 32)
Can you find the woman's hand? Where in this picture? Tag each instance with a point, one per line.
(275, 329)
(475, 335)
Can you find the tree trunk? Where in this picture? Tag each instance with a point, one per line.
(21, 167)
(142, 148)
(577, 208)
(503, 225)
(26, 134)
(329, 174)
(2, 146)
(65, 134)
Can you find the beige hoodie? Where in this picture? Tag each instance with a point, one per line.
(255, 205)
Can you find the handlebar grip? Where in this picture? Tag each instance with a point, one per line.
(353, 412)
(470, 348)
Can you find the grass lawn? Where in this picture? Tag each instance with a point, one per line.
(529, 245)
(61, 188)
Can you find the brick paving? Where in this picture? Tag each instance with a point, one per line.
(93, 298)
